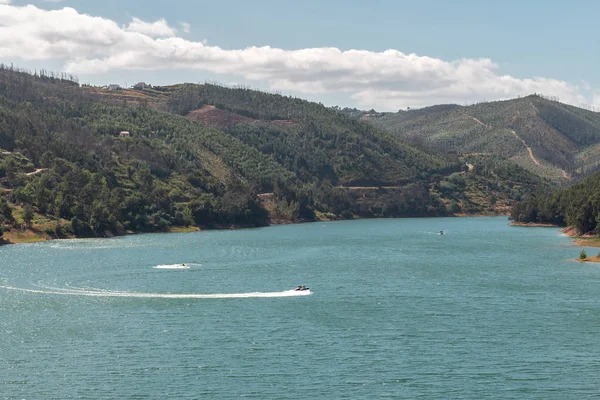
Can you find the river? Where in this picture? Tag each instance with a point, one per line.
(395, 310)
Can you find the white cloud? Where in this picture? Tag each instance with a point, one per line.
(186, 27)
(596, 100)
(5, 1)
(384, 80)
(154, 29)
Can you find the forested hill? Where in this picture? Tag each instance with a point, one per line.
(203, 155)
(310, 139)
(549, 138)
(577, 206)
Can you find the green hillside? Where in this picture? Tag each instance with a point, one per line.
(208, 156)
(382, 176)
(316, 141)
(577, 206)
(549, 138)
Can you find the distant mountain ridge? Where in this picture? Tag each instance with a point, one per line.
(549, 138)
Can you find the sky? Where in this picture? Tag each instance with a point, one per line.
(380, 54)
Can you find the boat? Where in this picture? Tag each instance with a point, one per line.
(301, 288)
(173, 266)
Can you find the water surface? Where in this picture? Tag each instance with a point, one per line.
(395, 311)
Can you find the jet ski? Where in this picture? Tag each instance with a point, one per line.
(301, 288)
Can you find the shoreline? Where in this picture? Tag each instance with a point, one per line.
(33, 235)
(594, 259)
(586, 240)
(578, 240)
(534, 225)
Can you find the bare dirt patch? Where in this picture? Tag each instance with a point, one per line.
(218, 118)
(29, 235)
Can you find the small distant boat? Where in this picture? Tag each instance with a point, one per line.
(441, 232)
(301, 288)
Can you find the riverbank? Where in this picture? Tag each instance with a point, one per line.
(23, 236)
(595, 259)
(533, 225)
(587, 240)
(35, 235)
(37, 232)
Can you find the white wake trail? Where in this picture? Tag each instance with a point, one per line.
(102, 293)
(177, 266)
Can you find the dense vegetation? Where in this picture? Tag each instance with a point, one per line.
(317, 141)
(65, 168)
(577, 206)
(99, 182)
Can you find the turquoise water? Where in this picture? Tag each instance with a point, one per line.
(395, 311)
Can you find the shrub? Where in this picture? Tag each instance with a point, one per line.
(582, 255)
(347, 214)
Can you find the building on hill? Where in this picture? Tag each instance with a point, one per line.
(114, 87)
(141, 86)
(124, 134)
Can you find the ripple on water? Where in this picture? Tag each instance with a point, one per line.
(486, 311)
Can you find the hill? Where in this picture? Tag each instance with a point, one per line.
(313, 140)
(208, 156)
(371, 166)
(576, 206)
(549, 138)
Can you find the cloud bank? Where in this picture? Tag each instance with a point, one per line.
(155, 29)
(386, 80)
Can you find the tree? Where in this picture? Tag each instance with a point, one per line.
(582, 255)
(28, 215)
(5, 210)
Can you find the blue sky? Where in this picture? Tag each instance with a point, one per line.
(524, 40)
